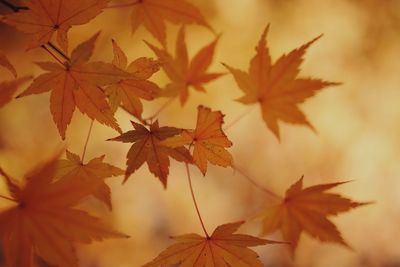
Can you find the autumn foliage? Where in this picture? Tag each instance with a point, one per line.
(47, 217)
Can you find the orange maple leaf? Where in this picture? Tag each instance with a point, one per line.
(4, 62)
(8, 89)
(44, 221)
(95, 171)
(77, 83)
(43, 18)
(276, 87)
(153, 14)
(184, 74)
(307, 210)
(129, 91)
(147, 147)
(223, 248)
(208, 139)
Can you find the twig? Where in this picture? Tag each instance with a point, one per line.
(87, 140)
(194, 201)
(12, 6)
(8, 180)
(257, 185)
(125, 4)
(61, 53)
(239, 118)
(52, 54)
(155, 115)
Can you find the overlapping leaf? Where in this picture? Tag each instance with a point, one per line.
(128, 92)
(208, 139)
(223, 248)
(147, 147)
(308, 210)
(8, 89)
(153, 14)
(44, 221)
(43, 18)
(277, 87)
(184, 73)
(4, 62)
(77, 84)
(93, 172)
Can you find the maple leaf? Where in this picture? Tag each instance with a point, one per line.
(4, 62)
(44, 220)
(8, 89)
(184, 74)
(208, 139)
(95, 171)
(153, 14)
(147, 147)
(307, 210)
(76, 84)
(223, 248)
(130, 91)
(43, 18)
(276, 87)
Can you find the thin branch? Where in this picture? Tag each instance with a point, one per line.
(61, 53)
(52, 54)
(87, 140)
(239, 118)
(155, 115)
(125, 4)
(12, 6)
(257, 185)
(194, 201)
(8, 180)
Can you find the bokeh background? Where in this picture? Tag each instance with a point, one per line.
(358, 129)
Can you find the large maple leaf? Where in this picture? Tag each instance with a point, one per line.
(128, 92)
(44, 221)
(147, 147)
(307, 210)
(208, 139)
(95, 171)
(184, 73)
(153, 14)
(8, 89)
(43, 18)
(4, 62)
(76, 84)
(277, 87)
(223, 248)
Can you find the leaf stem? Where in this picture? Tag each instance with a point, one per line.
(239, 118)
(87, 141)
(61, 53)
(164, 106)
(8, 180)
(194, 200)
(125, 4)
(12, 6)
(52, 54)
(257, 185)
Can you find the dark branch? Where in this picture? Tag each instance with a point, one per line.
(12, 6)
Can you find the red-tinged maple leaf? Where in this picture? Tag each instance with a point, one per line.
(95, 171)
(76, 84)
(44, 222)
(153, 14)
(128, 92)
(223, 248)
(147, 148)
(308, 210)
(184, 74)
(4, 62)
(43, 18)
(208, 139)
(8, 89)
(277, 87)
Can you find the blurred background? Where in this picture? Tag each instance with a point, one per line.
(358, 129)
